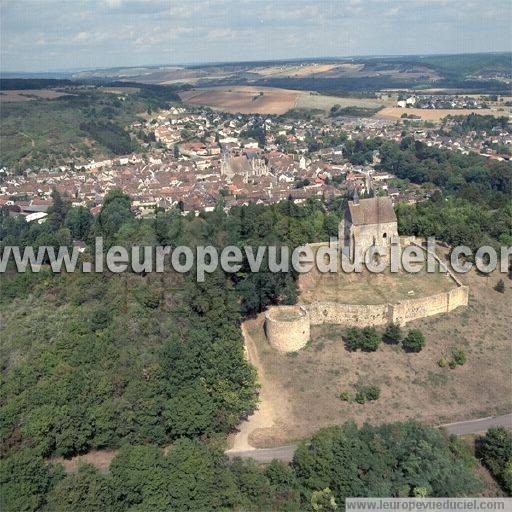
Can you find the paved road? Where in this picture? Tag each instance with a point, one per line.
(285, 453)
(475, 426)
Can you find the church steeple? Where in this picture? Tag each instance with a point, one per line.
(355, 199)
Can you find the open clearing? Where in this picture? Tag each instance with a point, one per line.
(435, 114)
(31, 94)
(304, 387)
(293, 71)
(313, 100)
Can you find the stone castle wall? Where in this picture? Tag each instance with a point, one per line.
(287, 327)
(348, 314)
(405, 311)
(292, 334)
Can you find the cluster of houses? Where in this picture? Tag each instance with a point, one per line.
(201, 156)
(441, 101)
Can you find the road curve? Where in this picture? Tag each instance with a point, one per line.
(285, 453)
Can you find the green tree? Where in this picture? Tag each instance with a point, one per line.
(365, 339)
(82, 492)
(370, 340)
(57, 211)
(79, 221)
(392, 334)
(414, 341)
(115, 212)
(354, 338)
(25, 480)
(495, 450)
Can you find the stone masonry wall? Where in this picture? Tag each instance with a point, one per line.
(382, 314)
(348, 314)
(287, 335)
(288, 327)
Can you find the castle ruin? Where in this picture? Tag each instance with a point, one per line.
(367, 223)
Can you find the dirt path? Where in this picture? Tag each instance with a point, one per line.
(264, 416)
(98, 458)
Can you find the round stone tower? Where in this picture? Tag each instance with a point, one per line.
(287, 327)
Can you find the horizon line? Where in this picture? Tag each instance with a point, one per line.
(252, 61)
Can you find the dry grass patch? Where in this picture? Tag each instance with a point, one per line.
(371, 288)
(412, 385)
(309, 100)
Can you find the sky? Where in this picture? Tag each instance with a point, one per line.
(51, 35)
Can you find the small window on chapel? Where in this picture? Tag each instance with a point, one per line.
(385, 235)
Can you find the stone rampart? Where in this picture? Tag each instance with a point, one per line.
(288, 327)
(348, 314)
(381, 314)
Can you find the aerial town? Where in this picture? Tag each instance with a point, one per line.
(255, 256)
(197, 156)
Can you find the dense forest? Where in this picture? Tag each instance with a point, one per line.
(136, 358)
(110, 135)
(402, 460)
(478, 123)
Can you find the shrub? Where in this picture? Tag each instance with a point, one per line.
(100, 319)
(360, 397)
(370, 340)
(152, 298)
(365, 339)
(414, 341)
(458, 356)
(367, 393)
(372, 392)
(345, 396)
(392, 334)
(354, 337)
(500, 286)
(442, 363)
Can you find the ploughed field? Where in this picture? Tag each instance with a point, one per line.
(243, 100)
(271, 100)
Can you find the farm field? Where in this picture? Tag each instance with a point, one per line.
(304, 387)
(243, 100)
(294, 71)
(307, 100)
(271, 100)
(435, 115)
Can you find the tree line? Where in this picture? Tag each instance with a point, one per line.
(391, 460)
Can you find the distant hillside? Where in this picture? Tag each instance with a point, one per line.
(480, 72)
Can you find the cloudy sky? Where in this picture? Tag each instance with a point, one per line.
(47, 35)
